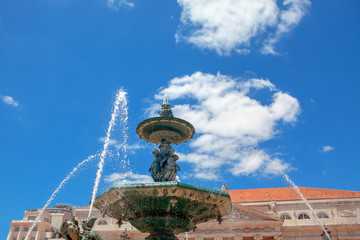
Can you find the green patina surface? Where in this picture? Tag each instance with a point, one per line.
(163, 208)
(164, 184)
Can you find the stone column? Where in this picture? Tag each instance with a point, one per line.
(258, 237)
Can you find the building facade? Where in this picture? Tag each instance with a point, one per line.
(259, 214)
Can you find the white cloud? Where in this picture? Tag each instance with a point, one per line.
(116, 4)
(9, 100)
(229, 123)
(227, 26)
(327, 148)
(128, 177)
(289, 18)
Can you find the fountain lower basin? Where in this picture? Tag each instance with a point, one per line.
(163, 209)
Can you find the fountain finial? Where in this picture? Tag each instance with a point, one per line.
(165, 110)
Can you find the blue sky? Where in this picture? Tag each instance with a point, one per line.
(276, 82)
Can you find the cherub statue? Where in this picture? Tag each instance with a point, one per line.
(71, 231)
(169, 166)
(164, 167)
(155, 169)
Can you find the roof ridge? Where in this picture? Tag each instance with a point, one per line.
(293, 187)
(289, 193)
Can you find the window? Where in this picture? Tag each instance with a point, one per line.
(102, 222)
(14, 238)
(35, 229)
(16, 229)
(32, 238)
(285, 217)
(46, 220)
(46, 239)
(26, 229)
(322, 215)
(31, 217)
(303, 216)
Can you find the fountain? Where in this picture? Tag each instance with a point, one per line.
(166, 207)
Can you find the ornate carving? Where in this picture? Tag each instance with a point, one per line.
(241, 215)
(272, 208)
(247, 230)
(348, 212)
(265, 229)
(268, 229)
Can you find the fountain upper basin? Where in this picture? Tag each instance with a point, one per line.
(172, 130)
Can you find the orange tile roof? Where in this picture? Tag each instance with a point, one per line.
(288, 193)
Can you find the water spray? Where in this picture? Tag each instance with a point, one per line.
(287, 178)
(56, 192)
(120, 99)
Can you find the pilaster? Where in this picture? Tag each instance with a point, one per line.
(20, 233)
(37, 235)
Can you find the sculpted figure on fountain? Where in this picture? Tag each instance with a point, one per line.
(164, 167)
(155, 166)
(171, 168)
(71, 231)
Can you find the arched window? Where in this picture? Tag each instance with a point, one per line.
(303, 216)
(322, 215)
(102, 222)
(285, 217)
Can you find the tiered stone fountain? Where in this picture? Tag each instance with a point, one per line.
(166, 207)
